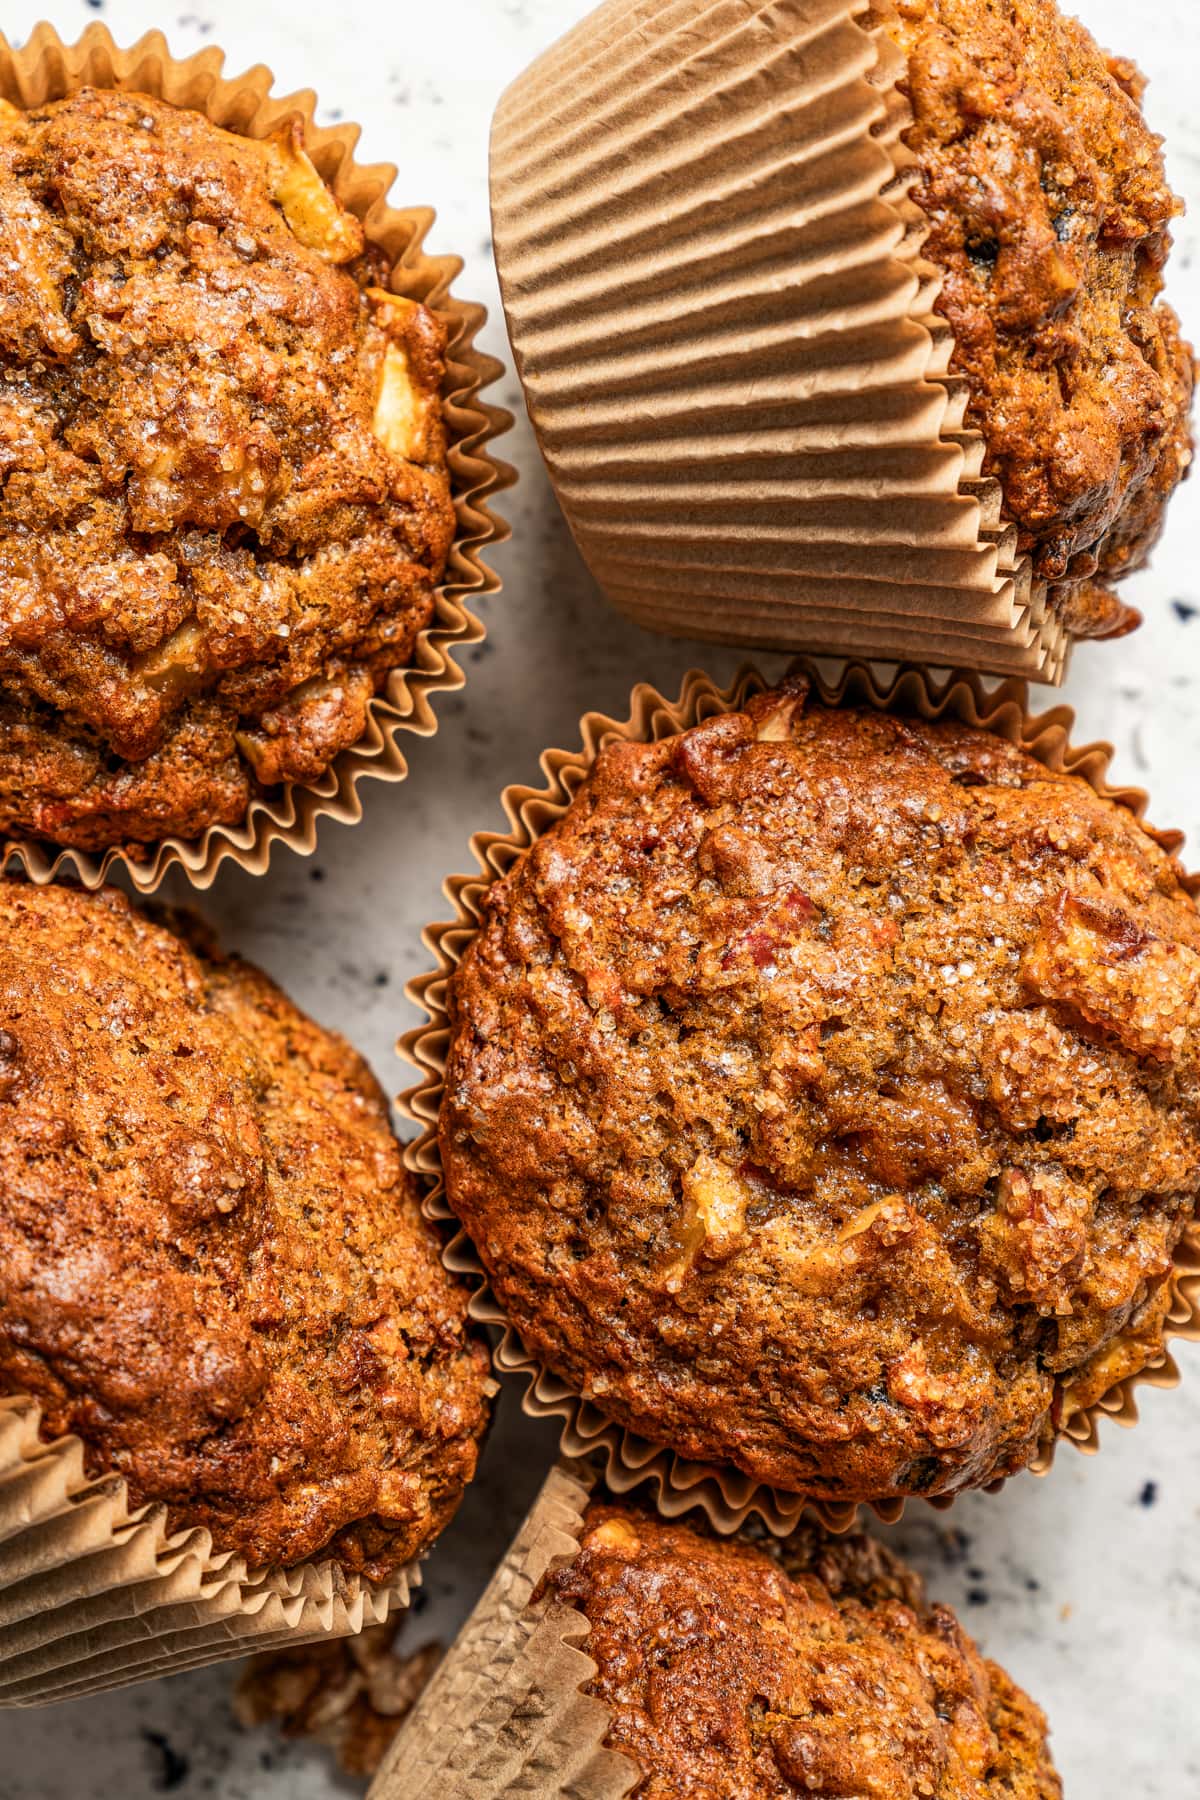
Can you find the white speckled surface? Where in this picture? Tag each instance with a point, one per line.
(1087, 1585)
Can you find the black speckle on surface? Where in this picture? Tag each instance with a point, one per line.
(419, 1601)
(1149, 1494)
(316, 874)
(171, 1769)
(1183, 610)
(977, 1596)
(1032, 1584)
(382, 978)
(95, 5)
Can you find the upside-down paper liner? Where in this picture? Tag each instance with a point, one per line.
(505, 1713)
(726, 1495)
(46, 69)
(94, 1595)
(712, 276)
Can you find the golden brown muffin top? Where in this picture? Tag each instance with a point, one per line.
(224, 503)
(213, 1266)
(822, 1095)
(1048, 211)
(757, 1671)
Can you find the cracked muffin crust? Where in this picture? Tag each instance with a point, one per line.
(821, 1096)
(224, 501)
(1048, 211)
(213, 1267)
(739, 1670)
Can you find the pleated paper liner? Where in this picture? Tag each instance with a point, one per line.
(712, 278)
(94, 1595)
(46, 69)
(505, 1712)
(727, 1496)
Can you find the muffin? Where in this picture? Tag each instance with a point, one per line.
(758, 1670)
(213, 1268)
(1048, 210)
(225, 503)
(820, 1096)
(845, 335)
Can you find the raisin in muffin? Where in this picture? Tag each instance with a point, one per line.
(1048, 212)
(213, 1267)
(757, 1671)
(224, 501)
(822, 1096)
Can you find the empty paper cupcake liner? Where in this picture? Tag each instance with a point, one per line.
(727, 1496)
(712, 276)
(506, 1712)
(46, 69)
(94, 1595)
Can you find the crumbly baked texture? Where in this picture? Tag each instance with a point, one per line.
(224, 501)
(1048, 211)
(822, 1095)
(755, 1671)
(213, 1266)
(351, 1693)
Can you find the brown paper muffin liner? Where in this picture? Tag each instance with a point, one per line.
(46, 69)
(94, 1595)
(727, 1496)
(712, 276)
(505, 1713)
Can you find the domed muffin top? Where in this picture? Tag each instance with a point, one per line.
(822, 1095)
(224, 503)
(1048, 212)
(213, 1267)
(758, 1671)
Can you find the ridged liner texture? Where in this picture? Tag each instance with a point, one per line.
(505, 1713)
(726, 1496)
(712, 275)
(46, 69)
(94, 1595)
